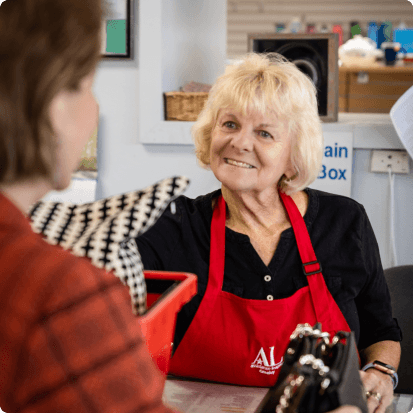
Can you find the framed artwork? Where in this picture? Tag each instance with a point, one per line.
(315, 54)
(117, 33)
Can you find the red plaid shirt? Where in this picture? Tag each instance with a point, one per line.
(68, 339)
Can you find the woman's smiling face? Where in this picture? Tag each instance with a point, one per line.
(250, 152)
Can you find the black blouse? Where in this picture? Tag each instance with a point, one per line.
(343, 241)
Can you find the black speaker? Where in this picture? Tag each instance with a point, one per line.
(315, 54)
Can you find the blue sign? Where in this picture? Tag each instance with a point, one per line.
(335, 174)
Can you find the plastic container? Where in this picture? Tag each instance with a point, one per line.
(337, 28)
(167, 292)
(372, 31)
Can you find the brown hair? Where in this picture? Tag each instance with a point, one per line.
(46, 46)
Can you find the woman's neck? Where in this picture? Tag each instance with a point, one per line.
(251, 212)
(23, 195)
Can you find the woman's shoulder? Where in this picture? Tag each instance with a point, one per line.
(183, 216)
(328, 200)
(326, 208)
(44, 268)
(56, 260)
(199, 206)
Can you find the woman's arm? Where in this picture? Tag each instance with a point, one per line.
(346, 409)
(379, 332)
(373, 302)
(386, 351)
(157, 245)
(376, 381)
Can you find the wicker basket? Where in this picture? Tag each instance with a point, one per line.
(184, 105)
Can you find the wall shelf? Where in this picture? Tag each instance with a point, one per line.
(176, 44)
(370, 131)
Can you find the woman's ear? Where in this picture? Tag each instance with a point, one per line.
(290, 173)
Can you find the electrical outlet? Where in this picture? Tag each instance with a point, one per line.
(397, 160)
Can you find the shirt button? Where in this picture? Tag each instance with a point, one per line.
(267, 278)
(270, 297)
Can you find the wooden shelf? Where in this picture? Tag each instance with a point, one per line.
(373, 88)
(379, 67)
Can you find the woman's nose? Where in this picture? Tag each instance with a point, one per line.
(243, 141)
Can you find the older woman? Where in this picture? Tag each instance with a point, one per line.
(68, 339)
(259, 275)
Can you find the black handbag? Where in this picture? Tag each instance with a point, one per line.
(319, 374)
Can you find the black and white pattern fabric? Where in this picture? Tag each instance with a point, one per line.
(104, 230)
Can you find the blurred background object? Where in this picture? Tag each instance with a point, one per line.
(337, 28)
(88, 161)
(362, 17)
(310, 28)
(401, 115)
(390, 52)
(315, 54)
(295, 25)
(355, 29)
(359, 51)
(404, 36)
(372, 31)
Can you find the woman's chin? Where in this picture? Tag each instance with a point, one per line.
(235, 181)
(62, 183)
(237, 186)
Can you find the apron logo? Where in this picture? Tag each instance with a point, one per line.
(261, 362)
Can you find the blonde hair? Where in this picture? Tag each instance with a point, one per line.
(265, 83)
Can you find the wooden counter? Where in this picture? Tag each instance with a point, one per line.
(373, 88)
(190, 396)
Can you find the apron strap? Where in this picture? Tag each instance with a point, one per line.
(305, 248)
(311, 266)
(217, 245)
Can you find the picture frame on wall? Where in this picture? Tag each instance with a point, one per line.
(315, 54)
(117, 30)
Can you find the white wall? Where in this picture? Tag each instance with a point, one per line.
(373, 191)
(126, 165)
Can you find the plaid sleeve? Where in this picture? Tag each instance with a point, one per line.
(86, 352)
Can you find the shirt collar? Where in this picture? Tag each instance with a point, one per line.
(309, 216)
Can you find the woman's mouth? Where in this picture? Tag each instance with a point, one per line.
(236, 163)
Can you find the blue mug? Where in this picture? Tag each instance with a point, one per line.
(390, 52)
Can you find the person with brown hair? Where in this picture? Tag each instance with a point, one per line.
(68, 338)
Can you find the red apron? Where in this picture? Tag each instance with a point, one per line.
(243, 341)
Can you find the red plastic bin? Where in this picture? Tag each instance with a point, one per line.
(167, 292)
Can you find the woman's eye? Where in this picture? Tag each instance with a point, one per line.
(265, 134)
(229, 124)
